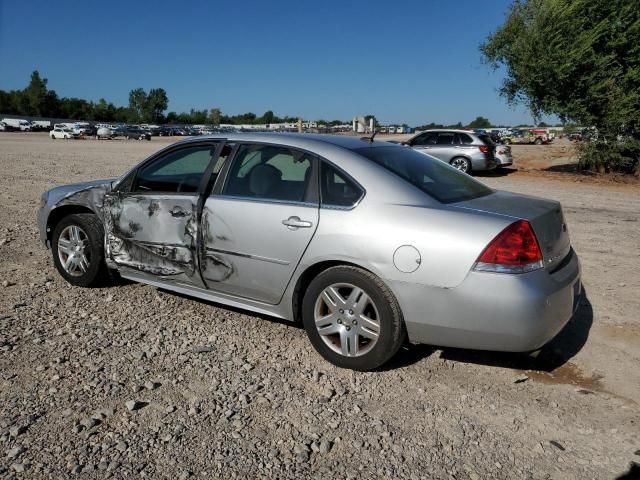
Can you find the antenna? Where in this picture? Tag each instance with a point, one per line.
(370, 139)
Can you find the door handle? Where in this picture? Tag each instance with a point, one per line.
(295, 222)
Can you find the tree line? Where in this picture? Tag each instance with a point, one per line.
(144, 107)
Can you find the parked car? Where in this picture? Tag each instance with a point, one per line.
(136, 133)
(461, 149)
(41, 125)
(525, 137)
(65, 133)
(7, 128)
(105, 132)
(17, 124)
(503, 155)
(276, 224)
(575, 137)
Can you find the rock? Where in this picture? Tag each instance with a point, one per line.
(584, 391)
(17, 430)
(556, 444)
(121, 446)
(151, 385)
(133, 405)
(170, 409)
(18, 467)
(520, 378)
(184, 475)
(325, 447)
(202, 349)
(193, 410)
(15, 451)
(89, 422)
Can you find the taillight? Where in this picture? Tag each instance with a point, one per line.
(484, 149)
(514, 250)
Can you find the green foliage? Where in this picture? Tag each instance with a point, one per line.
(480, 122)
(605, 157)
(580, 60)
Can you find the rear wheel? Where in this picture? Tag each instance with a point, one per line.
(462, 164)
(78, 250)
(352, 318)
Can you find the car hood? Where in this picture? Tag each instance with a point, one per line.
(66, 190)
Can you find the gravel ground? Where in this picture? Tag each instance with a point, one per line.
(134, 381)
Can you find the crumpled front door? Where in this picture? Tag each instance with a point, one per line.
(154, 234)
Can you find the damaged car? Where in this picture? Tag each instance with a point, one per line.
(368, 244)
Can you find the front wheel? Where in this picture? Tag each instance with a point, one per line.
(538, 141)
(78, 250)
(352, 318)
(462, 164)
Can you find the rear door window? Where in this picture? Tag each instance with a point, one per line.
(269, 172)
(446, 138)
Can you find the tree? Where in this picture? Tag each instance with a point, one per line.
(580, 60)
(480, 122)
(216, 115)
(155, 105)
(137, 104)
(268, 117)
(35, 94)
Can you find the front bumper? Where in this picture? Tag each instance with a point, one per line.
(489, 311)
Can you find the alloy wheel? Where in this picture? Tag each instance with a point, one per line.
(347, 320)
(460, 164)
(74, 251)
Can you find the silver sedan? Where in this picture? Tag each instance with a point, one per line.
(368, 244)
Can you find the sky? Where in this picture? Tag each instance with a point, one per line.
(410, 62)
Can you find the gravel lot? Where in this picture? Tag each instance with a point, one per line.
(133, 381)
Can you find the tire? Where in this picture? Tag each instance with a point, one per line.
(371, 349)
(461, 163)
(538, 141)
(95, 274)
(507, 141)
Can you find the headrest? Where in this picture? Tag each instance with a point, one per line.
(263, 178)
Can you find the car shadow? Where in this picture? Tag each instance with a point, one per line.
(496, 172)
(564, 346)
(633, 473)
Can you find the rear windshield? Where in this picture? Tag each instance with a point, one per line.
(432, 176)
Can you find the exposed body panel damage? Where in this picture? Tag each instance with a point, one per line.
(153, 235)
(92, 197)
(215, 267)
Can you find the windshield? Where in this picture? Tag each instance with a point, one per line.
(432, 176)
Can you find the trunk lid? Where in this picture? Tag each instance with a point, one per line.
(545, 216)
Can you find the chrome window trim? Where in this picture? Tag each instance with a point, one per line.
(240, 198)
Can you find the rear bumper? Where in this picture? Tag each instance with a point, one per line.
(488, 311)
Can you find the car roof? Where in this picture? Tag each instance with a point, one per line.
(300, 140)
(455, 130)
